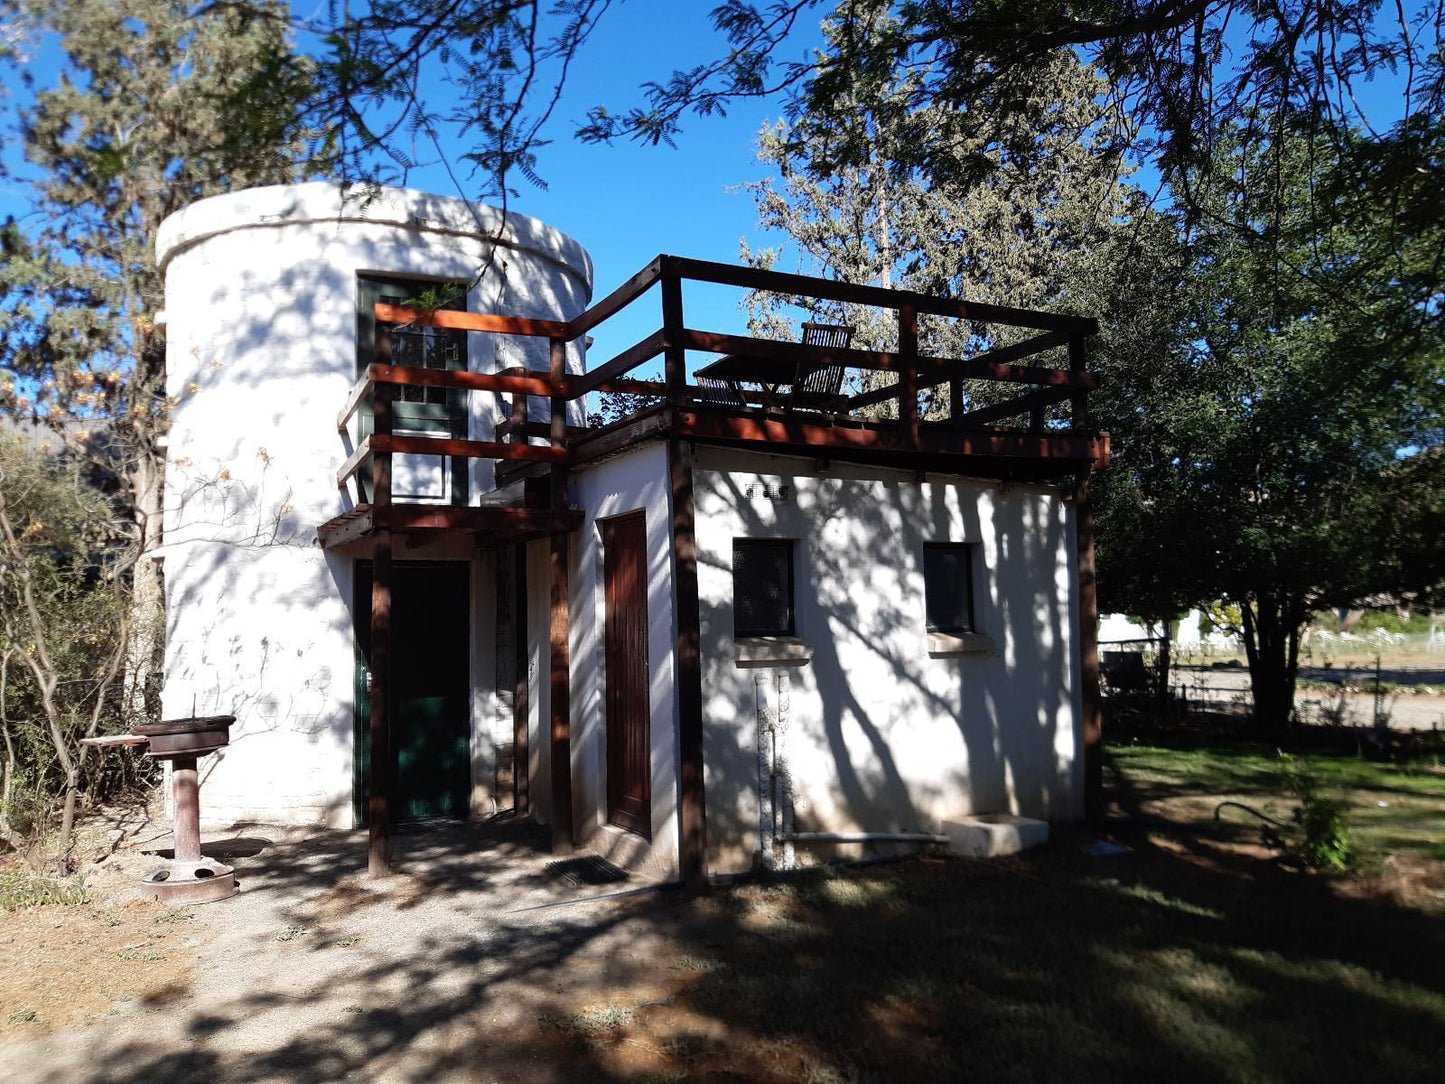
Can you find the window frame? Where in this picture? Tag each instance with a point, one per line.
(790, 547)
(969, 601)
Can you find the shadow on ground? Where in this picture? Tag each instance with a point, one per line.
(1189, 957)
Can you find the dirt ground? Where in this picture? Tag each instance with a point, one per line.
(474, 963)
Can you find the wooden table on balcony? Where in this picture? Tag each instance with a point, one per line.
(721, 384)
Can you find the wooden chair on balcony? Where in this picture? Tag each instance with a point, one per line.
(820, 388)
(813, 387)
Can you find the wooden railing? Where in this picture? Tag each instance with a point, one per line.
(1049, 385)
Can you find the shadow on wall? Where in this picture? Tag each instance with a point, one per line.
(884, 737)
(262, 352)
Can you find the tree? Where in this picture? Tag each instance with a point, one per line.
(65, 552)
(1289, 455)
(155, 106)
(1050, 222)
(1185, 68)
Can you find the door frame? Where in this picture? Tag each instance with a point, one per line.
(361, 692)
(644, 825)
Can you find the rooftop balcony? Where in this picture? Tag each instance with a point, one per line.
(1018, 411)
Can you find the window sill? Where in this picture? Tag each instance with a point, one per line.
(947, 645)
(772, 651)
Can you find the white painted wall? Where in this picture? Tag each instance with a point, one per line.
(261, 328)
(884, 737)
(637, 480)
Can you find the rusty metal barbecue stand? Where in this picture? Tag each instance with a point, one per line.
(188, 877)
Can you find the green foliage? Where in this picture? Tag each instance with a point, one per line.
(24, 888)
(65, 552)
(1047, 224)
(1321, 837)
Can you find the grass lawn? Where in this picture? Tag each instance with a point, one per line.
(1194, 956)
(1394, 808)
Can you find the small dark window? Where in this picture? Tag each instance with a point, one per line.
(948, 586)
(762, 587)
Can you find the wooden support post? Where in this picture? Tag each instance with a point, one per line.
(955, 398)
(1079, 362)
(378, 861)
(908, 374)
(561, 675)
(561, 655)
(1092, 722)
(521, 686)
(692, 795)
(674, 352)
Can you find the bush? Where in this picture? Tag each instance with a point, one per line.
(1320, 840)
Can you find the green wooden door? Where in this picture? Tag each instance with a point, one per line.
(430, 706)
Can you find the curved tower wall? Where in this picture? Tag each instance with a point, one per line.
(261, 322)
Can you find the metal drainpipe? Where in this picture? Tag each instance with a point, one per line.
(863, 837)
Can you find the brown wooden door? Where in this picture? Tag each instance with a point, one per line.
(629, 738)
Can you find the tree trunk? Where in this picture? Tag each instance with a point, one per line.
(141, 690)
(1162, 692)
(1271, 642)
(65, 860)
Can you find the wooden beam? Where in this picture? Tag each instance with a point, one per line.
(1078, 362)
(354, 398)
(378, 854)
(466, 381)
(692, 793)
(473, 449)
(470, 321)
(1092, 722)
(350, 526)
(507, 428)
(789, 354)
(908, 375)
(674, 340)
(618, 299)
(1019, 404)
(991, 365)
(359, 455)
(641, 426)
(629, 359)
(561, 700)
(635, 387)
(521, 691)
(753, 278)
(804, 437)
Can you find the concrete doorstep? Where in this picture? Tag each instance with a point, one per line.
(992, 834)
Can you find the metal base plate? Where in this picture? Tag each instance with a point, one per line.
(190, 882)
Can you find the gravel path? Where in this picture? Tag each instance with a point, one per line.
(315, 973)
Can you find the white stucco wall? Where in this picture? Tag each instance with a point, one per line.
(260, 317)
(882, 736)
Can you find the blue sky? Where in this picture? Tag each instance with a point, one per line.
(626, 203)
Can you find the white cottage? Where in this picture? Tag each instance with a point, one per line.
(751, 622)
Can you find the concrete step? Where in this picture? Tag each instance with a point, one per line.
(991, 834)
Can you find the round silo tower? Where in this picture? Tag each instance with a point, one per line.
(269, 314)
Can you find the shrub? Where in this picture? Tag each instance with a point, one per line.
(1320, 840)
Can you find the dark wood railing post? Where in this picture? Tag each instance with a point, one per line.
(955, 399)
(1079, 362)
(378, 860)
(1092, 724)
(908, 374)
(691, 790)
(561, 624)
(674, 351)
